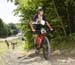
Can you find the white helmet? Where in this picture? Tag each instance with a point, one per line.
(40, 8)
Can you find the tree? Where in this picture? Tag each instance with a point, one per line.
(3, 29)
(60, 13)
(13, 29)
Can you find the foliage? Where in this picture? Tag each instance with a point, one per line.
(13, 29)
(59, 13)
(3, 29)
(7, 30)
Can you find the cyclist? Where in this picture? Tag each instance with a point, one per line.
(35, 22)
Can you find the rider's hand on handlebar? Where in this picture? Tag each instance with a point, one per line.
(33, 30)
(51, 29)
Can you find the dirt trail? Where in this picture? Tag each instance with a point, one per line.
(16, 57)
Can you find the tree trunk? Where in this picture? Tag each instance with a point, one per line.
(74, 16)
(68, 18)
(59, 18)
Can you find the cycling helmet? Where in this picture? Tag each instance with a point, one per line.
(40, 9)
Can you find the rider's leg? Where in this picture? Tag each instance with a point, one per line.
(35, 43)
(35, 39)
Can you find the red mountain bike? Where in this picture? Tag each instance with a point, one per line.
(43, 42)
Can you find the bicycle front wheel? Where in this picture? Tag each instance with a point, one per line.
(46, 48)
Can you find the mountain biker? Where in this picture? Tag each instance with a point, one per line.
(35, 22)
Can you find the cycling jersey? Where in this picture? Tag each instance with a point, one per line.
(34, 18)
(35, 23)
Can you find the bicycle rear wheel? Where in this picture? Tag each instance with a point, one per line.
(46, 48)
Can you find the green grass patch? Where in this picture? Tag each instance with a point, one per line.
(3, 47)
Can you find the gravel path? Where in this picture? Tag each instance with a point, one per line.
(14, 58)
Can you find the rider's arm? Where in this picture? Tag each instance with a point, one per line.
(30, 23)
(49, 26)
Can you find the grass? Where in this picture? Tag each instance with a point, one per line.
(3, 47)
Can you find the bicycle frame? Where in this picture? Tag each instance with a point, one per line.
(43, 42)
(40, 40)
